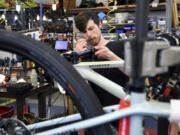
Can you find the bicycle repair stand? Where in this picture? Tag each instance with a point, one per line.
(157, 57)
(147, 58)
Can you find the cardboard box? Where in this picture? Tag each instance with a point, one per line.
(69, 4)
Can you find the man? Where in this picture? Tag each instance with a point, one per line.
(90, 25)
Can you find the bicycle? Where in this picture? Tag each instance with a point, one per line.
(80, 92)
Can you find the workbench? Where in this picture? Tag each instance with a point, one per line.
(41, 93)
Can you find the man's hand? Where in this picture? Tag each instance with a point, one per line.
(81, 45)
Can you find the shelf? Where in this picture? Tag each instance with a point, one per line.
(122, 8)
(120, 24)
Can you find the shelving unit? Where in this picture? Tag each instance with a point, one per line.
(122, 8)
(121, 24)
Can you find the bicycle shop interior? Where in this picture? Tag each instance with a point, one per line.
(29, 94)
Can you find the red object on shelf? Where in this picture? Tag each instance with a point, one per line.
(6, 112)
(24, 109)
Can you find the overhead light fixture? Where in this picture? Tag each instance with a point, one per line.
(3, 16)
(44, 18)
(15, 17)
(18, 7)
(53, 7)
(38, 17)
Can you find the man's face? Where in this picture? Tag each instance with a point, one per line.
(92, 33)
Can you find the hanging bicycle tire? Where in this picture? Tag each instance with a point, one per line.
(58, 68)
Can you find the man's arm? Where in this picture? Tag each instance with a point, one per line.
(103, 52)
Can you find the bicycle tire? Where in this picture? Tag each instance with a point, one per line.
(62, 71)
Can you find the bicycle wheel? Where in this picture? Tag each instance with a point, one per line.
(58, 68)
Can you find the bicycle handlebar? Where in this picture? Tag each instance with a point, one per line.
(87, 52)
(74, 56)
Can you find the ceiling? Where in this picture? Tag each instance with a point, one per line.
(8, 4)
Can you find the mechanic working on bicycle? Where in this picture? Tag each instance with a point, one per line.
(89, 25)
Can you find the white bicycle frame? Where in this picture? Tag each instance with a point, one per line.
(139, 106)
(87, 72)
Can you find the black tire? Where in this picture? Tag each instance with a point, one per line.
(58, 68)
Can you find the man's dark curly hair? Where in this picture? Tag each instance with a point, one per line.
(83, 17)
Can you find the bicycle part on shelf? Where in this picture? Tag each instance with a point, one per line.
(3, 132)
(171, 39)
(165, 86)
